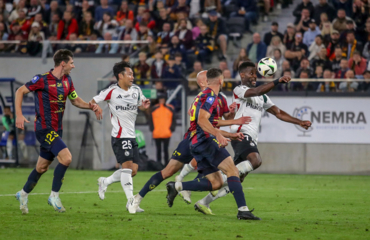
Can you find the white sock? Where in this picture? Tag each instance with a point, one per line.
(24, 193)
(126, 182)
(244, 167)
(115, 177)
(185, 171)
(178, 186)
(245, 208)
(54, 194)
(9, 148)
(210, 198)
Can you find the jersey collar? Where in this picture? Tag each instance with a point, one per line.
(51, 70)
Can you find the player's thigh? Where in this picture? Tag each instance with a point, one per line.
(172, 167)
(215, 179)
(227, 166)
(65, 157)
(42, 164)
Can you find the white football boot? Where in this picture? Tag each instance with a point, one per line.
(56, 203)
(102, 188)
(23, 200)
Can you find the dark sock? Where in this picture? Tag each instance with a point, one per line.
(236, 189)
(198, 184)
(153, 182)
(33, 178)
(59, 172)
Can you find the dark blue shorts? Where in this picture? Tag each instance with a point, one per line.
(51, 143)
(209, 155)
(182, 152)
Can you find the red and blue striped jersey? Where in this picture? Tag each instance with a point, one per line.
(208, 101)
(50, 99)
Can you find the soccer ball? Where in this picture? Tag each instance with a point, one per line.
(267, 67)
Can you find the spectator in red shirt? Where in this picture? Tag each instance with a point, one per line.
(124, 13)
(67, 26)
(22, 21)
(357, 63)
(145, 19)
(16, 30)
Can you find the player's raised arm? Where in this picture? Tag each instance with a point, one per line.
(239, 121)
(283, 116)
(20, 119)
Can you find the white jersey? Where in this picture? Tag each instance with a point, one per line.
(123, 107)
(251, 107)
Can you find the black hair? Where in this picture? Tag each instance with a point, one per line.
(351, 32)
(7, 107)
(213, 73)
(320, 36)
(62, 55)
(277, 49)
(245, 65)
(305, 71)
(120, 67)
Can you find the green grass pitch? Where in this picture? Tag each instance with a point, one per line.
(291, 207)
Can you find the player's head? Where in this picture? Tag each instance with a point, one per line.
(63, 59)
(215, 77)
(248, 74)
(123, 72)
(202, 79)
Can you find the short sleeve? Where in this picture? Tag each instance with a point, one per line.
(141, 97)
(267, 103)
(239, 92)
(36, 84)
(104, 95)
(208, 102)
(225, 108)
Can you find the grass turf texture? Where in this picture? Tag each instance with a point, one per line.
(291, 207)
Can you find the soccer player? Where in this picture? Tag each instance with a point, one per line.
(182, 153)
(51, 90)
(124, 98)
(208, 148)
(250, 100)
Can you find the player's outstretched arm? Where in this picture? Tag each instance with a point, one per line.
(205, 124)
(239, 121)
(283, 116)
(20, 119)
(78, 102)
(265, 88)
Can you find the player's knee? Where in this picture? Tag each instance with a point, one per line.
(167, 172)
(134, 172)
(66, 160)
(216, 185)
(42, 169)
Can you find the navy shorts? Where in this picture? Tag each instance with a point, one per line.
(209, 155)
(51, 143)
(182, 152)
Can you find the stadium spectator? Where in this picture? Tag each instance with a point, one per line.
(248, 10)
(35, 34)
(351, 45)
(128, 29)
(24, 24)
(297, 51)
(323, 6)
(86, 6)
(185, 35)
(144, 31)
(318, 72)
(171, 71)
(103, 8)
(257, 49)
(145, 19)
(275, 44)
(53, 26)
(165, 50)
(326, 31)
(197, 67)
(124, 13)
(176, 47)
(160, 19)
(204, 45)
(228, 85)
(19, 47)
(302, 25)
(359, 13)
(350, 28)
(180, 64)
(67, 26)
(349, 86)
(242, 57)
(279, 59)
(223, 65)
(297, 12)
(345, 5)
(4, 10)
(333, 44)
(327, 86)
(310, 35)
(43, 25)
(315, 48)
(3, 34)
(365, 85)
(151, 47)
(357, 63)
(165, 35)
(340, 23)
(162, 123)
(289, 36)
(322, 60)
(212, 5)
(14, 14)
(34, 8)
(158, 66)
(181, 16)
(364, 35)
(106, 47)
(196, 30)
(181, 6)
(341, 73)
(91, 48)
(305, 86)
(218, 31)
(75, 48)
(15, 30)
(107, 24)
(286, 66)
(274, 32)
(86, 27)
(142, 70)
(324, 18)
(304, 66)
(335, 64)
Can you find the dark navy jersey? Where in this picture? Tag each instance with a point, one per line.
(208, 101)
(50, 99)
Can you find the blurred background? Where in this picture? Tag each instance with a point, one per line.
(323, 45)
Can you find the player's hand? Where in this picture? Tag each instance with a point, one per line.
(243, 120)
(146, 103)
(232, 107)
(237, 136)
(305, 124)
(93, 106)
(99, 113)
(19, 122)
(284, 79)
(223, 142)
